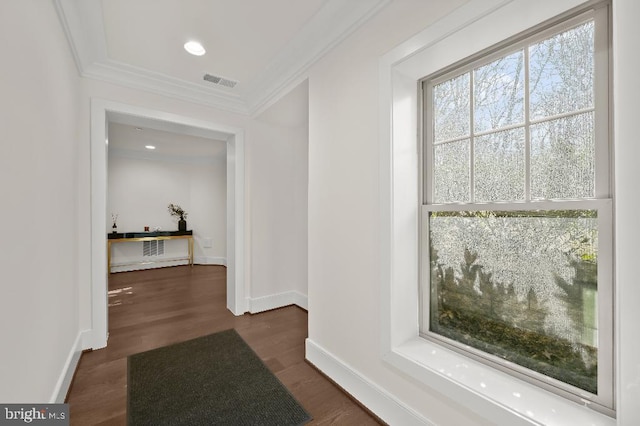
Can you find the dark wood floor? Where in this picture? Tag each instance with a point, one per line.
(154, 308)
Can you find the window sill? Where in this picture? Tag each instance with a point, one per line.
(488, 392)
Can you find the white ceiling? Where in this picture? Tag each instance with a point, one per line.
(266, 46)
(240, 36)
(130, 141)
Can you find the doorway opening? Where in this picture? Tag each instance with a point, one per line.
(102, 112)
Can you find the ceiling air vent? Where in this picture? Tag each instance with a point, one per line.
(220, 80)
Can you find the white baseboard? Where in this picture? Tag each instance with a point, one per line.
(379, 401)
(301, 300)
(138, 264)
(210, 260)
(90, 340)
(68, 370)
(133, 265)
(275, 301)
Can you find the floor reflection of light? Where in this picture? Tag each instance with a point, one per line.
(119, 292)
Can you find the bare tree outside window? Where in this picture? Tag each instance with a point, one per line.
(519, 286)
(509, 275)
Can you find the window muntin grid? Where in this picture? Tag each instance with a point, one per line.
(545, 158)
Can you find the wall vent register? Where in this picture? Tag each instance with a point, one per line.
(153, 248)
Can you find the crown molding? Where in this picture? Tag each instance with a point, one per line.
(150, 81)
(83, 24)
(332, 24)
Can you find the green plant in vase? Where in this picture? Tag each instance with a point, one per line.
(177, 211)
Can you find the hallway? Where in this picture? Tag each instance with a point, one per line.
(157, 307)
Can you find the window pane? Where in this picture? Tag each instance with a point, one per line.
(563, 158)
(561, 73)
(498, 93)
(521, 286)
(451, 172)
(451, 111)
(499, 166)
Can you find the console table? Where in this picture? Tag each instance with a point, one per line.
(126, 237)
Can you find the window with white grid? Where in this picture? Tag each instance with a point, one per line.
(516, 224)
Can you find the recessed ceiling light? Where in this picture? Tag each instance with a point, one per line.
(194, 48)
(150, 147)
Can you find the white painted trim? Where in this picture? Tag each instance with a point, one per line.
(626, 91)
(210, 260)
(86, 338)
(100, 110)
(99, 321)
(301, 300)
(142, 79)
(375, 398)
(144, 264)
(141, 264)
(82, 23)
(275, 301)
(237, 250)
(68, 370)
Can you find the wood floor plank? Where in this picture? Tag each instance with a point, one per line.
(154, 308)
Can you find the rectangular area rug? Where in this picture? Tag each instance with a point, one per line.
(212, 380)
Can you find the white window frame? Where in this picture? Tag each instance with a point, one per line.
(488, 393)
(601, 202)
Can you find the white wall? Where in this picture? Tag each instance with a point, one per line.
(208, 190)
(39, 111)
(626, 34)
(276, 208)
(344, 239)
(139, 191)
(291, 115)
(301, 199)
(344, 210)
